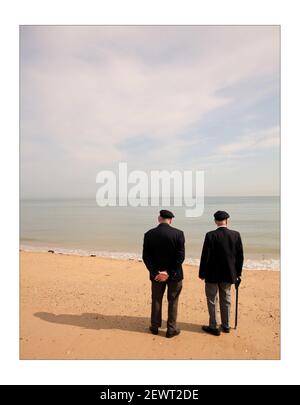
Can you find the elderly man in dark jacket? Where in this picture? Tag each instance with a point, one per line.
(220, 266)
(163, 255)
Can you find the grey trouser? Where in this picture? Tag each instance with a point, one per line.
(158, 289)
(211, 290)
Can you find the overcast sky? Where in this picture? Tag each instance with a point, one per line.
(202, 98)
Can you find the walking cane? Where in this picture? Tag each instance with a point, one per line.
(237, 284)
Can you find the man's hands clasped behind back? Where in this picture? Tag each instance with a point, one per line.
(162, 277)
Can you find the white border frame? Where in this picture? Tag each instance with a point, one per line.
(15, 13)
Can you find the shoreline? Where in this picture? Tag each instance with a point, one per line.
(75, 307)
(268, 264)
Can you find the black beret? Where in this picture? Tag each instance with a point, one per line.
(221, 215)
(166, 214)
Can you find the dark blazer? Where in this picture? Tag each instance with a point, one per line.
(163, 250)
(222, 256)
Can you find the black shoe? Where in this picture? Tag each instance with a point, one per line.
(153, 330)
(172, 334)
(225, 329)
(212, 331)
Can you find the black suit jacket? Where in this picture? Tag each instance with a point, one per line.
(164, 250)
(222, 256)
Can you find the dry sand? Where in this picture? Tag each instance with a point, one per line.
(76, 307)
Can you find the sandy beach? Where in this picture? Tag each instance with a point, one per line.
(75, 307)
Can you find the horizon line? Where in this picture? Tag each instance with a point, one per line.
(91, 198)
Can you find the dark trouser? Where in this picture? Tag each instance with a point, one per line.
(158, 289)
(211, 290)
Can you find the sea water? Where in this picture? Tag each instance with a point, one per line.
(80, 226)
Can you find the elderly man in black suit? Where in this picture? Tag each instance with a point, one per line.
(220, 266)
(163, 255)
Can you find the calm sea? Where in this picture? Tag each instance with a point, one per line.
(81, 227)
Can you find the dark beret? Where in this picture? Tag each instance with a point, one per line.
(221, 215)
(166, 214)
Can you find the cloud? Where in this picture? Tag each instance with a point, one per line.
(264, 139)
(89, 93)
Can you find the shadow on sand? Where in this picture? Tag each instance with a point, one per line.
(99, 321)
